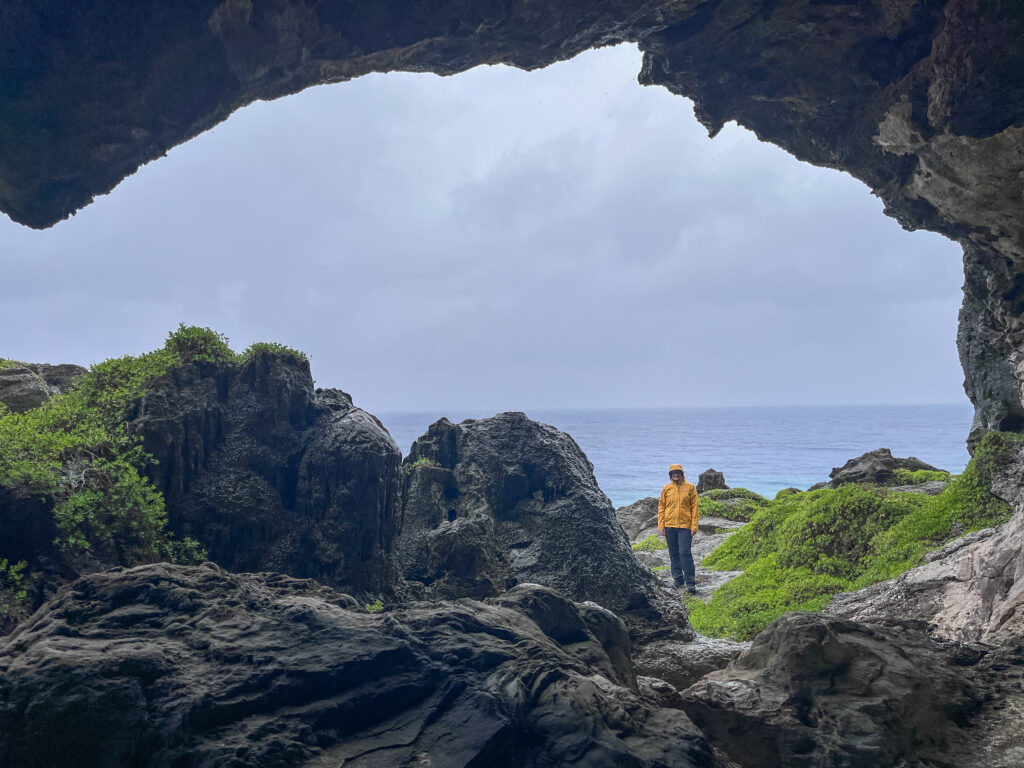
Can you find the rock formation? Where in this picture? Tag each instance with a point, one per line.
(29, 385)
(494, 502)
(877, 467)
(711, 480)
(827, 692)
(919, 100)
(638, 517)
(270, 474)
(169, 665)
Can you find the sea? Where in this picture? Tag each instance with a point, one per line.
(764, 449)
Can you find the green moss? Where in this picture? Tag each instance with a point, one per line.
(732, 504)
(918, 476)
(801, 549)
(650, 544)
(375, 607)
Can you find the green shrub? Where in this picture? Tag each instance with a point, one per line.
(375, 607)
(272, 348)
(192, 344)
(660, 568)
(7, 363)
(422, 461)
(725, 494)
(731, 504)
(803, 548)
(13, 593)
(651, 544)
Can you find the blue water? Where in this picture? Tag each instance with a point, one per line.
(764, 449)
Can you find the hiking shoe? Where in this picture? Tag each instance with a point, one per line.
(692, 589)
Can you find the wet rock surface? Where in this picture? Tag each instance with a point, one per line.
(169, 665)
(711, 480)
(270, 474)
(494, 502)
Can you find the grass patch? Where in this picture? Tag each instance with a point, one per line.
(919, 476)
(375, 607)
(660, 568)
(803, 548)
(651, 544)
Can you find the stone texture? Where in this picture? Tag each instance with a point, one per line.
(877, 467)
(168, 666)
(270, 474)
(30, 385)
(638, 517)
(494, 502)
(823, 692)
(683, 664)
(711, 480)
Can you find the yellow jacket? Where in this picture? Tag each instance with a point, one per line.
(677, 507)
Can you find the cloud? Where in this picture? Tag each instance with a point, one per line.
(501, 240)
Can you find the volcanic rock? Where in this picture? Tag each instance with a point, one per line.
(824, 692)
(30, 385)
(270, 474)
(711, 480)
(495, 502)
(166, 666)
(877, 467)
(638, 518)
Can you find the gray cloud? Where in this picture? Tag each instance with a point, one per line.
(500, 240)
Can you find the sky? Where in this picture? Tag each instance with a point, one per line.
(502, 240)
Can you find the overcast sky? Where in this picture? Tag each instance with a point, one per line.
(502, 240)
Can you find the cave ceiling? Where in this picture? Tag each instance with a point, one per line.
(923, 100)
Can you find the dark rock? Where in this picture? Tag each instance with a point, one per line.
(30, 385)
(932, 488)
(169, 666)
(711, 480)
(269, 474)
(826, 692)
(878, 467)
(683, 664)
(818, 486)
(638, 517)
(492, 503)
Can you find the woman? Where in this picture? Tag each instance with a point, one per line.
(677, 522)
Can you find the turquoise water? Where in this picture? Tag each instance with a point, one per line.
(763, 448)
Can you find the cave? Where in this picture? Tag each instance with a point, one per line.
(922, 101)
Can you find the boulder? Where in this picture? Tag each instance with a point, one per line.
(823, 692)
(270, 474)
(638, 518)
(29, 385)
(711, 480)
(495, 502)
(683, 664)
(878, 467)
(165, 665)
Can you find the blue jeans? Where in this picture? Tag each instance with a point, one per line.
(678, 540)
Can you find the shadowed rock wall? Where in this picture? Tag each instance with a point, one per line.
(923, 100)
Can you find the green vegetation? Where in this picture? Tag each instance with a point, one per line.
(77, 452)
(272, 348)
(650, 544)
(660, 568)
(422, 461)
(375, 607)
(918, 476)
(803, 548)
(731, 504)
(7, 363)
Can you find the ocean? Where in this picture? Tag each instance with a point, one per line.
(764, 449)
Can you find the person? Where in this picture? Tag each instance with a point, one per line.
(677, 522)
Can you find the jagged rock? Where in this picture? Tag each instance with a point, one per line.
(711, 480)
(638, 518)
(823, 692)
(494, 502)
(878, 466)
(973, 590)
(167, 666)
(269, 474)
(30, 385)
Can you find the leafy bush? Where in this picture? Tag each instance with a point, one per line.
(803, 548)
(375, 607)
(651, 544)
(273, 348)
(422, 461)
(7, 363)
(192, 344)
(725, 494)
(731, 504)
(12, 587)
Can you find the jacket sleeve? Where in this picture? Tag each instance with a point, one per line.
(694, 507)
(661, 511)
